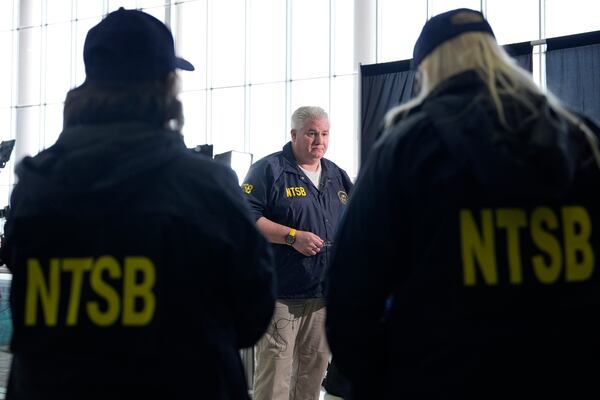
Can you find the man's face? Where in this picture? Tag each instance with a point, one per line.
(310, 142)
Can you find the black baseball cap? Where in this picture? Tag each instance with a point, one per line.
(130, 45)
(446, 26)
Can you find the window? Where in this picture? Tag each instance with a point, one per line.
(514, 21)
(343, 38)
(310, 92)
(227, 43)
(399, 27)
(256, 61)
(57, 55)
(58, 11)
(267, 116)
(194, 111)
(441, 6)
(342, 148)
(267, 41)
(310, 38)
(190, 31)
(6, 69)
(570, 17)
(227, 130)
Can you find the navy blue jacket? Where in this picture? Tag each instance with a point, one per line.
(465, 265)
(278, 190)
(137, 270)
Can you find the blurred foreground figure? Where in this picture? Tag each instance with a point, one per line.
(138, 272)
(465, 266)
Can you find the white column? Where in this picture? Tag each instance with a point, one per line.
(28, 94)
(365, 32)
(365, 52)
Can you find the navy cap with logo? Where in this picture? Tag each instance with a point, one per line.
(446, 26)
(130, 45)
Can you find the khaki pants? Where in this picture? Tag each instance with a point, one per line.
(292, 355)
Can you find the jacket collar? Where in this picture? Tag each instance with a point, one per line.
(291, 164)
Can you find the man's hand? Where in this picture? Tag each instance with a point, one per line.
(308, 243)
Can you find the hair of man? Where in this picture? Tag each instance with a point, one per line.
(307, 113)
(150, 101)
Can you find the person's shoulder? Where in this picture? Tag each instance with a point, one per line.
(202, 170)
(271, 165)
(201, 162)
(335, 171)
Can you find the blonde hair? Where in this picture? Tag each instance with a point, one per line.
(479, 52)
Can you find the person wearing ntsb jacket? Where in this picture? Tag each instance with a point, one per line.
(466, 263)
(138, 272)
(297, 198)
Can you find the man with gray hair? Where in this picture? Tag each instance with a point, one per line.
(297, 198)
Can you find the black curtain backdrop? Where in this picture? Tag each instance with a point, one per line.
(383, 86)
(573, 71)
(523, 53)
(386, 85)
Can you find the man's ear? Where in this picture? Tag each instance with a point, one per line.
(293, 132)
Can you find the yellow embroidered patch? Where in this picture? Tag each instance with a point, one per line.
(247, 188)
(295, 192)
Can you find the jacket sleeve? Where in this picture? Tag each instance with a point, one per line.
(256, 188)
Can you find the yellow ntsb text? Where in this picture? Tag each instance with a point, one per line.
(46, 291)
(550, 258)
(295, 191)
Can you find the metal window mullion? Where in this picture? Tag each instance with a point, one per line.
(14, 70)
(73, 44)
(378, 27)
(542, 49)
(247, 77)
(209, 69)
(331, 77)
(288, 67)
(43, 76)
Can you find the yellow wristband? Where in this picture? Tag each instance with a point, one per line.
(290, 238)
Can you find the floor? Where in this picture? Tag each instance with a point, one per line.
(5, 364)
(5, 329)
(4, 368)
(325, 396)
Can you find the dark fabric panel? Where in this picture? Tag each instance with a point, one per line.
(522, 52)
(379, 93)
(385, 68)
(525, 61)
(578, 40)
(572, 74)
(518, 49)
